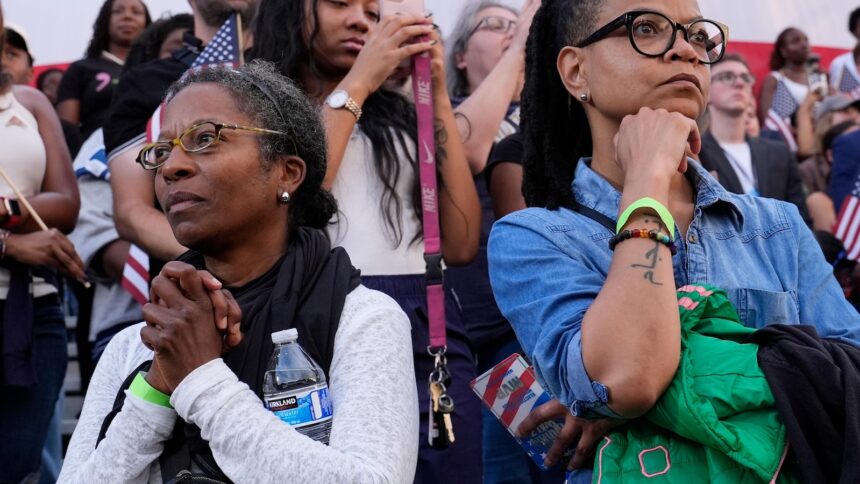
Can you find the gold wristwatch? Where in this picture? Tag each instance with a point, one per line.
(339, 99)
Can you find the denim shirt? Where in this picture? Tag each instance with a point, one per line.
(547, 266)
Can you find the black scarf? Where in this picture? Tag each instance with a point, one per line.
(306, 290)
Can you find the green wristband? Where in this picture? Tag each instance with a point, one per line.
(142, 389)
(648, 202)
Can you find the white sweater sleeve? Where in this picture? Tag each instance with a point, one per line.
(374, 436)
(136, 436)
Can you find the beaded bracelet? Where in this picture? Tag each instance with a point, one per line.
(643, 234)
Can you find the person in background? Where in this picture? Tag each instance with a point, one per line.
(788, 81)
(243, 190)
(161, 39)
(609, 116)
(486, 58)
(85, 92)
(17, 60)
(754, 166)
(815, 173)
(845, 167)
(844, 76)
(48, 82)
(34, 156)
(346, 50)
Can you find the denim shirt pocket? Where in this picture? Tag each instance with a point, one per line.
(758, 308)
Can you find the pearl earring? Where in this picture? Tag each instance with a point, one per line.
(583, 97)
(285, 197)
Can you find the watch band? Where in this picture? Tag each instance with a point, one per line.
(143, 390)
(353, 107)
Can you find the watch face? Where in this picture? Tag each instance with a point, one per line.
(338, 99)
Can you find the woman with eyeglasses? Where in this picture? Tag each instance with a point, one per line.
(613, 89)
(241, 185)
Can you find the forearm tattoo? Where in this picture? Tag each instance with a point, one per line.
(652, 256)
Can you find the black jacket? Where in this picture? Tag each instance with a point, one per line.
(816, 384)
(775, 168)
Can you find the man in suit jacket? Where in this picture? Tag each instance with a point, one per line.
(754, 166)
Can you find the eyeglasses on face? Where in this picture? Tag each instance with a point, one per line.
(652, 34)
(729, 77)
(494, 23)
(194, 139)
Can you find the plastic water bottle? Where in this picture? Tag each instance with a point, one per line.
(295, 388)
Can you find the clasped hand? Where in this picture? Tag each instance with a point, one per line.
(190, 321)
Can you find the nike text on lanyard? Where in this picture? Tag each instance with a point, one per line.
(440, 429)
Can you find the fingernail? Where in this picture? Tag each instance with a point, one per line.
(224, 322)
(85, 282)
(434, 42)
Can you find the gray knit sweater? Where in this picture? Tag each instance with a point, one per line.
(374, 435)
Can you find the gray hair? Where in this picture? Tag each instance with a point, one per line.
(458, 84)
(274, 102)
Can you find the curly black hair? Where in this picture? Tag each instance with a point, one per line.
(101, 30)
(148, 45)
(555, 129)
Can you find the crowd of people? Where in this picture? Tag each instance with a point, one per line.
(615, 204)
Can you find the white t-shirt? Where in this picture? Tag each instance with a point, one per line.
(374, 435)
(740, 157)
(360, 227)
(843, 65)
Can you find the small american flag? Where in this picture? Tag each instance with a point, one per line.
(225, 50)
(848, 223)
(779, 115)
(848, 84)
(135, 274)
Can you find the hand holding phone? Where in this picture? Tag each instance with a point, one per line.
(401, 7)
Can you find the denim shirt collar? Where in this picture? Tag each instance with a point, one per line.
(593, 191)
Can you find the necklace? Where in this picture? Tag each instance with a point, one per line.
(107, 55)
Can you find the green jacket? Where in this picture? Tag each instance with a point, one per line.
(717, 422)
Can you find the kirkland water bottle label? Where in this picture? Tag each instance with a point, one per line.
(306, 407)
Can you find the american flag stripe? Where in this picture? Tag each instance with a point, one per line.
(494, 383)
(775, 123)
(153, 126)
(849, 221)
(135, 275)
(516, 398)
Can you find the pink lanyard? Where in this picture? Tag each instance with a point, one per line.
(422, 87)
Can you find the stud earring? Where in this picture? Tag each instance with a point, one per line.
(285, 197)
(583, 97)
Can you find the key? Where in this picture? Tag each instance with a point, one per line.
(437, 438)
(445, 405)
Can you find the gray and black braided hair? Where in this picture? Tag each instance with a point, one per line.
(555, 129)
(274, 102)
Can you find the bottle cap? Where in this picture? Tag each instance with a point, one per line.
(285, 336)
